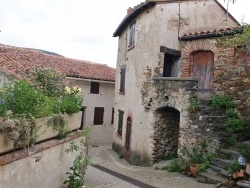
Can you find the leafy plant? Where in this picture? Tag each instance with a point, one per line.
(239, 40)
(244, 150)
(199, 156)
(50, 81)
(193, 106)
(231, 113)
(173, 166)
(235, 124)
(23, 98)
(221, 101)
(230, 142)
(234, 167)
(82, 160)
(58, 123)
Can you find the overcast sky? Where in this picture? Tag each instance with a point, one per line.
(79, 29)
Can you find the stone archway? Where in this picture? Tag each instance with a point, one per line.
(166, 132)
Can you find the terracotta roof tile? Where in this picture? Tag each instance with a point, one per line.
(226, 29)
(20, 62)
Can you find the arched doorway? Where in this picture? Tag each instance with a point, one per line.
(166, 133)
(203, 68)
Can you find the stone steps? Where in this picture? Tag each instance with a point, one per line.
(230, 154)
(205, 177)
(221, 163)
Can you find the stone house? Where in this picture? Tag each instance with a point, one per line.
(97, 82)
(168, 54)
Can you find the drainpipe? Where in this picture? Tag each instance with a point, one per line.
(179, 25)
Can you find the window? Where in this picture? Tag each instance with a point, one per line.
(131, 41)
(112, 118)
(94, 87)
(122, 78)
(120, 122)
(98, 116)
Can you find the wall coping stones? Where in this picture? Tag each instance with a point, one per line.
(19, 154)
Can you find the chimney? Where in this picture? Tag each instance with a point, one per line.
(130, 10)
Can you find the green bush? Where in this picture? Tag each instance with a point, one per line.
(234, 167)
(221, 101)
(193, 106)
(235, 125)
(70, 103)
(173, 166)
(231, 113)
(23, 99)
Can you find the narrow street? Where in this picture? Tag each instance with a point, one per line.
(107, 170)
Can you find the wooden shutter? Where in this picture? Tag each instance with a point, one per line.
(94, 87)
(112, 118)
(128, 133)
(98, 116)
(120, 122)
(122, 79)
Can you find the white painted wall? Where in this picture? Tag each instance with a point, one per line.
(105, 98)
(50, 171)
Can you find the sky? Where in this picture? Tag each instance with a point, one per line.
(78, 29)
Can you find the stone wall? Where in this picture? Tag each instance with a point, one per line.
(172, 124)
(232, 77)
(166, 133)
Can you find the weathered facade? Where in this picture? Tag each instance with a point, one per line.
(167, 55)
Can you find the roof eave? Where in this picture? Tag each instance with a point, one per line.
(210, 35)
(129, 18)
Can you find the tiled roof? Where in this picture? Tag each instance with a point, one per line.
(212, 33)
(21, 62)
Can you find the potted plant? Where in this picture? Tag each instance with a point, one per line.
(244, 150)
(197, 157)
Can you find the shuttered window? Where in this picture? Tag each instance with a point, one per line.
(98, 116)
(131, 41)
(94, 87)
(122, 78)
(112, 118)
(120, 122)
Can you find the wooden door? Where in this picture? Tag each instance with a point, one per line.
(203, 68)
(128, 134)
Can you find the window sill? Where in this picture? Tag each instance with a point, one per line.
(131, 47)
(121, 93)
(119, 136)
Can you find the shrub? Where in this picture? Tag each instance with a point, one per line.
(50, 81)
(234, 167)
(23, 99)
(221, 101)
(235, 125)
(231, 113)
(193, 106)
(173, 166)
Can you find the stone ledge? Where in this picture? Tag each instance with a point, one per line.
(176, 78)
(19, 154)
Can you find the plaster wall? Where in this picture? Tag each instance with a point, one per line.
(50, 171)
(155, 27)
(105, 98)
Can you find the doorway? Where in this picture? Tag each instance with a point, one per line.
(203, 68)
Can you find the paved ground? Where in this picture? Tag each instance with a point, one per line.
(109, 171)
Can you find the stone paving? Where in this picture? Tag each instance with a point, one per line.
(106, 157)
